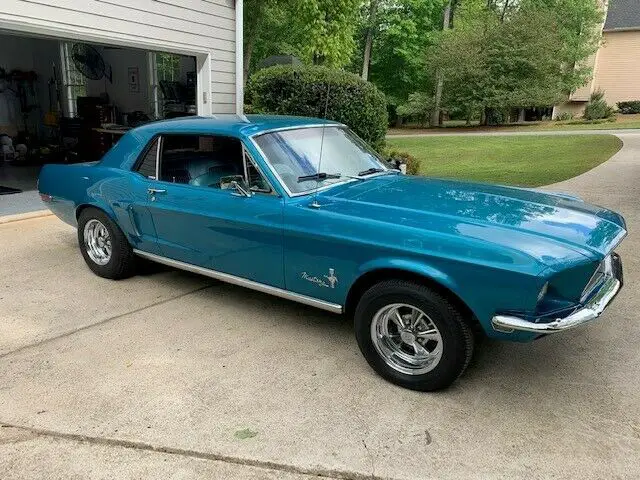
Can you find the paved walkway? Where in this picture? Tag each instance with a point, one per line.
(171, 375)
(22, 202)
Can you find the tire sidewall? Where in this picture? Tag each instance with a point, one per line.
(443, 316)
(108, 269)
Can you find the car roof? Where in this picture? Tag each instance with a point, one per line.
(243, 125)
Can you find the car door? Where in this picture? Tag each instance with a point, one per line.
(199, 223)
(131, 200)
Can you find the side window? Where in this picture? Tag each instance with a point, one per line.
(147, 166)
(200, 160)
(256, 181)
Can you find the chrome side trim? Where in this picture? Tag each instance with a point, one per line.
(158, 154)
(243, 282)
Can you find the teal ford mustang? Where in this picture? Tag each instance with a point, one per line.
(304, 210)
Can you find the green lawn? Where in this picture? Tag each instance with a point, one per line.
(513, 160)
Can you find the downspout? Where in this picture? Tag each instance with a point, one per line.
(239, 57)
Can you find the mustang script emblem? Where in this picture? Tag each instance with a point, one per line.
(327, 281)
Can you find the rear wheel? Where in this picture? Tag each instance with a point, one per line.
(412, 336)
(104, 246)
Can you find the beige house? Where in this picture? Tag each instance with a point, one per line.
(616, 65)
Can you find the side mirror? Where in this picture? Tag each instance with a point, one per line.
(399, 163)
(237, 183)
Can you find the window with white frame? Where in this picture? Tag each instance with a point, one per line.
(162, 67)
(74, 82)
(168, 66)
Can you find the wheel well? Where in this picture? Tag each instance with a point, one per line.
(84, 206)
(369, 279)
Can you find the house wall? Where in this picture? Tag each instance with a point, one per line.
(617, 70)
(203, 28)
(576, 109)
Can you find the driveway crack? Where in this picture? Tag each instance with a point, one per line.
(318, 472)
(102, 322)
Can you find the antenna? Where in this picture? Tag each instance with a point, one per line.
(315, 203)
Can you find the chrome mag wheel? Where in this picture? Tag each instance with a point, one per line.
(97, 242)
(406, 338)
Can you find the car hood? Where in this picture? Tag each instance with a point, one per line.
(531, 220)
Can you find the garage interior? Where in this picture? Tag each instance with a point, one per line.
(63, 101)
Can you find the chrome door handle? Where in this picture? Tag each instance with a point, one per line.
(153, 191)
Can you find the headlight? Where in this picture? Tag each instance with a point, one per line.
(543, 291)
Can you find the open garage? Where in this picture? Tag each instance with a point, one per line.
(75, 75)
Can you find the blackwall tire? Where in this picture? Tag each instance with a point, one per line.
(427, 356)
(104, 246)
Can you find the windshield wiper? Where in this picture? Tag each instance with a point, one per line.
(370, 171)
(324, 176)
(318, 176)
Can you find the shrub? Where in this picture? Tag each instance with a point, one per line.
(629, 107)
(417, 108)
(299, 90)
(564, 117)
(413, 164)
(597, 107)
(581, 121)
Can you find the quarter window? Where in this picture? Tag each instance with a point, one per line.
(147, 166)
(256, 181)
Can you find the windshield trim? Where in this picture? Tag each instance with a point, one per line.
(313, 190)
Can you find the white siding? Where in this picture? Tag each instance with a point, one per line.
(190, 27)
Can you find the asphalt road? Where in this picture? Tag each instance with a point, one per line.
(171, 375)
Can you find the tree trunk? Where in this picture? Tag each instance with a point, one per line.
(248, 51)
(368, 42)
(251, 30)
(437, 100)
(504, 11)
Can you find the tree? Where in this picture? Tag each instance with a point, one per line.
(368, 41)
(504, 55)
(328, 27)
(436, 118)
(393, 42)
(262, 19)
(316, 31)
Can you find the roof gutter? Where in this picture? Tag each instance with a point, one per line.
(240, 57)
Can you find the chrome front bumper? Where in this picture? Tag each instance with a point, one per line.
(589, 311)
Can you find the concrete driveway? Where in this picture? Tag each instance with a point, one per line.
(170, 375)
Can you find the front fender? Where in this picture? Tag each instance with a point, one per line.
(411, 266)
(480, 288)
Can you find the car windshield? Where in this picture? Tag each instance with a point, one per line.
(295, 156)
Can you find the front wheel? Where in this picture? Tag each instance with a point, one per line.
(412, 335)
(104, 247)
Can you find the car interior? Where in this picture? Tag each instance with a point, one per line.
(200, 160)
